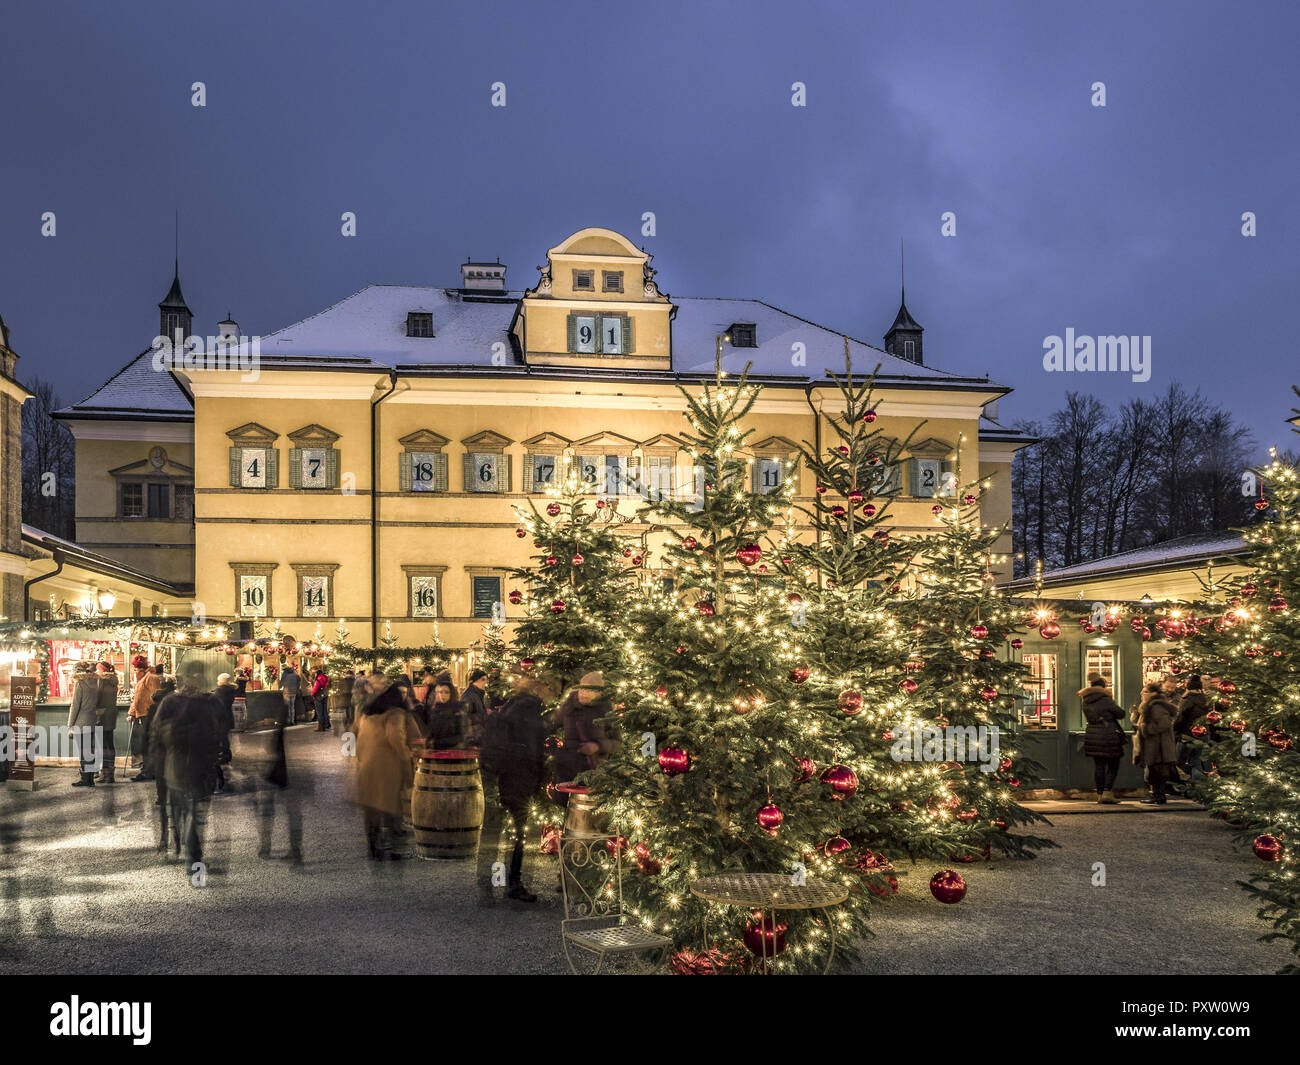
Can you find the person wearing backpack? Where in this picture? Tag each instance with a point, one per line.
(514, 766)
(444, 717)
(1104, 740)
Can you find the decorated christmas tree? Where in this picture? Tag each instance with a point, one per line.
(962, 681)
(574, 596)
(494, 657)
(736, 769)
(1247, 660)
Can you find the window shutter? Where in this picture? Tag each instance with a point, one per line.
(331, 467)
(467, 471)
(893, 482)
(503, 473)
(529, 462)
(440, 472)
(236, 464)
(615, 475)
(295, 467)
(947, 480)
(697, 482)
(573, 333)
(272, 467)
(404, 471)
(629, 341)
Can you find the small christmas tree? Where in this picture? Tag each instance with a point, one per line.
(494, 657)
(1248, 656)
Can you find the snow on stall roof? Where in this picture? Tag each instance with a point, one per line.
(1200, 546)
(136, 388)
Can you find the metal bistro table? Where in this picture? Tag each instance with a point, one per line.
(769, 893)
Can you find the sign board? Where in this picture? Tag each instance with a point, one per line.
(22, 719)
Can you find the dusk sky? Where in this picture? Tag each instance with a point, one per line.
(1123, 219)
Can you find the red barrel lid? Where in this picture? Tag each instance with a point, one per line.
(452, 755)
(572, 789)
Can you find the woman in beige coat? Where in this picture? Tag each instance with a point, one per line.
(1154, 741)
(385, 733)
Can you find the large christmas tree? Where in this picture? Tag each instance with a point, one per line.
(1249, 655)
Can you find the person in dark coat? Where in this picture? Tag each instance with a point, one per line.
(1155, 725)
(320, 691)
(587, 743)
(515, 769)
(273, 792)
(154, 758)
(106, 720)
(475, 703)
(385, 734)
(225, 693)
(1191, 708)
(1104, 740)
(185, 737)
(447, 723)
(81, 721)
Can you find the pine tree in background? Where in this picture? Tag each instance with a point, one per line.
(856, 650)
(1250, 656)
(737, 770)
(494, 657)
(961, 679)
(575, 596)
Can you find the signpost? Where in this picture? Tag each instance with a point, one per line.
(22, 719)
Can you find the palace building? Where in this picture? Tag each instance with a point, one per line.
(370, 468)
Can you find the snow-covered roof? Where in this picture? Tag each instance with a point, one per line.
(137, 390)
(1184, 550)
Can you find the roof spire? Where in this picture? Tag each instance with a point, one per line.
(902, 274)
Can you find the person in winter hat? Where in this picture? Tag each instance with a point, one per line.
(1191, 708)
(1104, 740)
(1155, 724)
(587, 742)
(385, 734)
(106, 720)
(474, 700)
(81, 722)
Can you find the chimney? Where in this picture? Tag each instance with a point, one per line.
(487, 278)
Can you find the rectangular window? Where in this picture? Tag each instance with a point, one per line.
(312, 468)
(250, 467)
(184, 502)
(668, 584)
(133, 501)
(584, 281)
(1038, 703)
(424, 597)
(584, 334)
(611, 280)
(658, 477)
(315, 597)
(769, 475)
(602, 334)
(160, 501)
(611, 335)
(423, 471)
(486, 592)
(615, 475)
(1102, 660)
(484, 472)
(252, 596)
(591, 472)
(419, 325)
(743, 335)
(542, 474)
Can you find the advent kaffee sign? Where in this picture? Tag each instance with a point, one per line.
(22, 719)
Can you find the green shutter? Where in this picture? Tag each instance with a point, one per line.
(440, 472)
(236, 465)
(331, 467)
(295, 467)
(628, 344)
(404, 472)
(913, 478)
(529, 460)
(503, 472)
(467, 472)
(272, 467)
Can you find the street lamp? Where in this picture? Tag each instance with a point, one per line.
(106, 601)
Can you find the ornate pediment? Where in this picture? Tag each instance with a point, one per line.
(313, 436)
(547, 443)
(423, 440)
(250, 434)
(605, 441)
(664, 442)
(487, 440)
(775, 445)
(931, 448)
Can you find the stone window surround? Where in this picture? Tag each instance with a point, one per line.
(315, 569)
(501, 572)
(254, 569)
(411, 571)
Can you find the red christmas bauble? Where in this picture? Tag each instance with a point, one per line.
(1261, 504)
(881, 535)
(766, 939)
(988, 694)
(850, 701)
(690, 543)
(1198, 731)
(706, 608)
(842, 449)
(837, 511)
(873, 459)
(1049, 630)
(749, 554)
(521, 533)
(680, 648)
(800, 674)
(948, 886)
(616, 844)
(578, 560)
(968, 816)
(1214, 717)
(794, 597)
(600, 504)
(807, 767)
(525, 664)
(1017, 643)
(843, 781)
(1277, 605)
(1267, 848)
(999, 824)
(551, 560)
(559, 606)
(516, 598)
(1227, 687)
(979, 631)
(908, 686)
(855, 497)
(553, 509)
(1237, 726)
(661, 691)
(1146, 634)
(1248, 590)
(869, 416)
(936, 510)
(968, 499)
(869, 509)
(770, 818)
(637, 560)
(627, 552)
(835, 845)
(821, 489)
(1089, 627)
(672, 760)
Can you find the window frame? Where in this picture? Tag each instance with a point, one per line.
(254, 569)
(1033, 684)
(412, 573)
(608, 276)
(481, 445)
(304, 570)
(421, 319)
(422, 442)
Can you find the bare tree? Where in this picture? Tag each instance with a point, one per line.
(49, 466)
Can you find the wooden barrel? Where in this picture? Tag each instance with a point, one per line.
(447, 806)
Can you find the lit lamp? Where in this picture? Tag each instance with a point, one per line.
(1146, 600)
(106, 601)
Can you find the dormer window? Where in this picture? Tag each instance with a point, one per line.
(611, 280)
(743, 335)
(419, 324)
(584, 281)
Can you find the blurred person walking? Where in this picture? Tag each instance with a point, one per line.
(81, 721)
(385, 733)
(146, 681)
(106, 719)
(187, 744)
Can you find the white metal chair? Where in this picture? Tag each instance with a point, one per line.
(591, 875)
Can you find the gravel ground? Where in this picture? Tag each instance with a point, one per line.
(83, 890)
